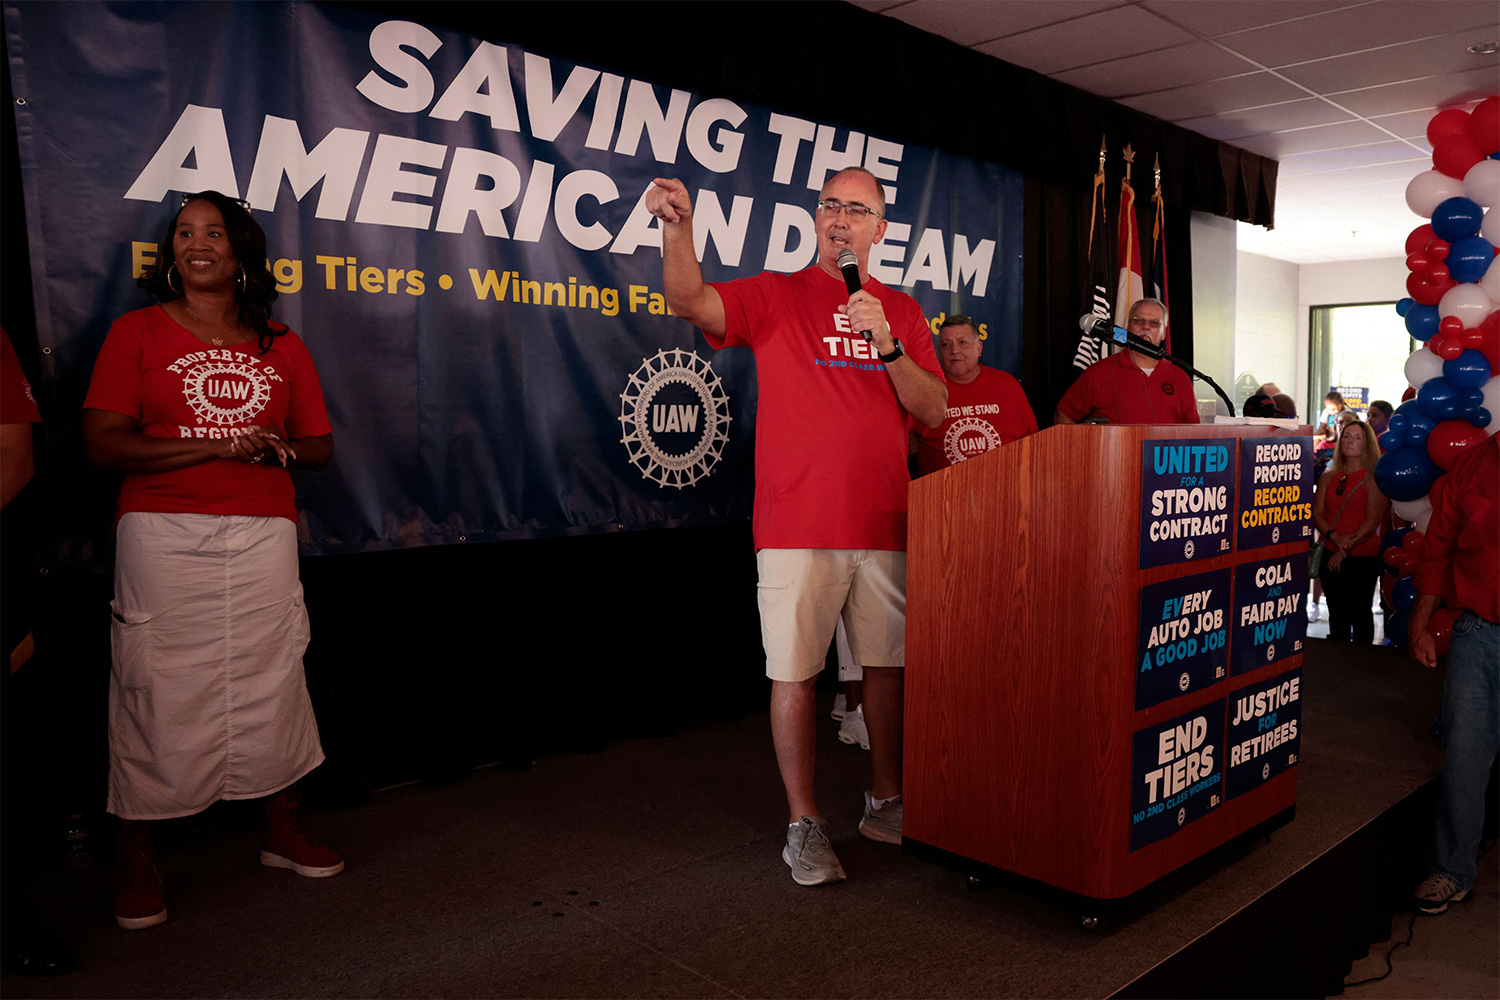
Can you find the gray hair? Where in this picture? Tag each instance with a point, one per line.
(1158, 303)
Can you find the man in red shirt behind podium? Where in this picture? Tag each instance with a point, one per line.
(986, 406)
(1130, 387)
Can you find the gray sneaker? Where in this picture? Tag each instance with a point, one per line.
(1436, 892)
(809, 854)
(883, 824)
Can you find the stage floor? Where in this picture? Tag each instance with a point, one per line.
(654, 869)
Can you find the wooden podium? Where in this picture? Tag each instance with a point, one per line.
(1023, 612)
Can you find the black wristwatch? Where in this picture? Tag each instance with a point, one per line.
(896, 352)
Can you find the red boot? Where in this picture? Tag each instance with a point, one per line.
(138, 897)
(287, 845)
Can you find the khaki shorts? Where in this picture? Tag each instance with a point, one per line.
(802, 593)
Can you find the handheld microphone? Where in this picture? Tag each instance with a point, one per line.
(1100, 328)
(849, 264)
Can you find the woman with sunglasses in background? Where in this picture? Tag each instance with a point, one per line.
(1348, 509)
(205, 403)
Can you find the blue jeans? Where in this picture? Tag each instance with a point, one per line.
(1471, 739)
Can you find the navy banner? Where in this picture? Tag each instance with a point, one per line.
(1263, 741)
(1187, 494)
(1184, 637)
(457, 230)
(1270, 618)
(1276, 492)
(1176, 774)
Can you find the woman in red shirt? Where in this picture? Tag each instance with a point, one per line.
(1348, 509)
(204, 403)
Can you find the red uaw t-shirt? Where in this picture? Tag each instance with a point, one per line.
(830, 438)
(984, 413)
(1119, 391)
(177, 386)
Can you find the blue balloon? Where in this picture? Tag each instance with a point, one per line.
(1469, 258)
(1469, 370)
(1392, 539)
(1406, 474)
(1481, 419)
(1456, 218)
(1437, 399)
(1396, 431)
(1404, 595)
(1422, 321)
(1398, 629)
(1402, 305)
(1418, 426)
(1467, 403)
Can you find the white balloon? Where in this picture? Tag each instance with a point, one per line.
(1468, 302)
(1430, 189)
(1421, 366)
(1482, 183)
(1489, 228)
(1490, 283)
(1417, 511)
(1491, 392)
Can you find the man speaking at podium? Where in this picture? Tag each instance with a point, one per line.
(1131, 387)
(986, 406)
(841, 361)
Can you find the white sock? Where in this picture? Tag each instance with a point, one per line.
(880, 803)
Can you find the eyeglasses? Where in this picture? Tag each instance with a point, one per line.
(833, 206)
(1343, 481)
(190, 195)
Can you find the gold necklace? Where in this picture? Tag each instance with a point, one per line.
(217, 341)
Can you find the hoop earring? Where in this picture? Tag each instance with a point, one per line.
(241, 278)
(171, 269)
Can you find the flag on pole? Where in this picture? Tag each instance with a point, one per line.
(1131, 288)
(1099, 264)
(1158, 284)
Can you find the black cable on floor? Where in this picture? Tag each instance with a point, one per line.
(1410, 929)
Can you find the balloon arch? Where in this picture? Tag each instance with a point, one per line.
(1454, 309)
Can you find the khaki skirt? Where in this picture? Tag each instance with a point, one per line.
(207, 698)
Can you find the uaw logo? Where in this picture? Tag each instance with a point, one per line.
(1189, 549)
(225, 392)
(1181, 816)
(969, 436)
(1184, 681)
(1275, 534)
(675, 418)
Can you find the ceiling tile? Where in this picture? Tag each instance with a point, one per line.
(1212, 19)
(1356, 28)
(1373, 67)
(1275, 117)
(1306, 140)
(1351, 157)
(1083, 41)
(1147, 72)
(969, 22)
(1432, 92)
(1252, 90)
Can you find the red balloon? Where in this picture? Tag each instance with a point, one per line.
(1416, 261)
(1455, 154)
(1436, 249)
(1420, 237)
(1454, 121)
(1410, 393)
(1445, 346)
(1418, 289)
(1451, 325)
(1448, 440)
(1484, 125)
(1413, 541)
(1472, 340)
(1489, 346)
